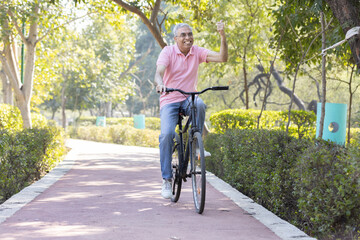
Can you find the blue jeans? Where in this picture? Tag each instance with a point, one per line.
(169, 115)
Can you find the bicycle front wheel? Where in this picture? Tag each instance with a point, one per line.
(198, 174)
(175, 162)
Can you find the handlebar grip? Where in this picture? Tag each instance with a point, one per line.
(220, 88)
(169, 90)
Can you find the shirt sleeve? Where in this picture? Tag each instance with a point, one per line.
(203, 52)
(164, 57)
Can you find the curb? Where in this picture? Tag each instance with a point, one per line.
(280, 227)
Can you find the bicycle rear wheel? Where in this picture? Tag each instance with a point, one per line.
(198, 174)
(175, 162)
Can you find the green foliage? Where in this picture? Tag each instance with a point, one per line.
(328, 188)
(120, 134)
(314, 185)
(298, 26)
(262, 173)
(150, 122)
(38, 120)
(302, 122)
(10, 117)
(25, 156)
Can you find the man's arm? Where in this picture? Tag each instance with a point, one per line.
(160, 71)
(221, 56)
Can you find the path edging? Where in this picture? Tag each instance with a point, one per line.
(280, 227)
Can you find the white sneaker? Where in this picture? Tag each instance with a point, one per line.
(166, 189)
(206, 153)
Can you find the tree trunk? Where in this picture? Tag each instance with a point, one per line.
(10, 65)
(25, 112)
(351, 94)
(108, 106)
(347, 13)
(245, 84)
(63, 104)
(323, 75)
(7, 91)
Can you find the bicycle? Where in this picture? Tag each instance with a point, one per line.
(194, 149)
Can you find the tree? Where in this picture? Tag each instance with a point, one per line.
(147, 52)
(153, 13)
(39, 18)
(304, 17)
(114, 47)
(90, 65)
(305, 20)
(248, 29)
(347, 12)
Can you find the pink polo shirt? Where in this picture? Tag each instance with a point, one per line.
(181, 72)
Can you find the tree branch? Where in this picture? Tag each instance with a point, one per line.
(153, 29)
(136, 62)
(18, 29)
(155, 12)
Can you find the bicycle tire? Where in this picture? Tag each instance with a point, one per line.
(198, 174)
(176, 161)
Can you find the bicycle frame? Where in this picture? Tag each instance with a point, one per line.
(194, 128)
(194, 151)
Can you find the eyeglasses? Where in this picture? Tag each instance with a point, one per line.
(189, 34)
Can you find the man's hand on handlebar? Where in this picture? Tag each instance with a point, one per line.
(160, 89)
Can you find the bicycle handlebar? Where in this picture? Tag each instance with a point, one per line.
(217, 88)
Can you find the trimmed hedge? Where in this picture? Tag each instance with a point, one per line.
(119, 134)
(327, 186)
(312, 184)
(150, 122)
(26, 154)
(302, 122)
(10, 118)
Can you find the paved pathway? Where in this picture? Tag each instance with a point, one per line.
(107, 191)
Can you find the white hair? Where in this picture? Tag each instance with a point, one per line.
(178, 26)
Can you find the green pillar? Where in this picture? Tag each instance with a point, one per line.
(334, 122)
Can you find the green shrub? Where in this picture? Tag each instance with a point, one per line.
(302, 122)
(10, 118)
(38, 120)
(86, 121)
(119, 134)
(262, 173)
(328, 187)
(150, 122)
(27, 155)
(93, 133)
(314, 185)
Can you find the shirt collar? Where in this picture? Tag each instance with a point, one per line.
(179, 52)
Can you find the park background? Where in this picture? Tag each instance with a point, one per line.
(72, 62)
